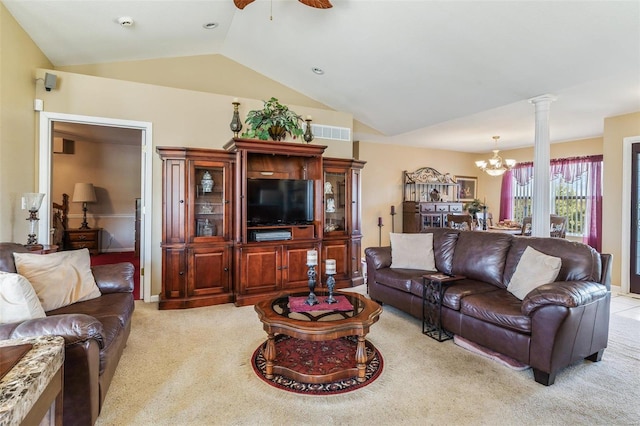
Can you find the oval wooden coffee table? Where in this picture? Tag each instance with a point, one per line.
(278, 318)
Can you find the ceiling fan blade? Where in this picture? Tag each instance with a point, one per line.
(240, 4)
(318, 4)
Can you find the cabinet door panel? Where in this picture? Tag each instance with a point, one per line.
(260, 269)
(356, 262)
(208, 271)
(295, 267)
(174, 199)
(173, 272)
(338, 250)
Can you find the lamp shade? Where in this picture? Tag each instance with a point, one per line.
(33, 200)
(84, 193)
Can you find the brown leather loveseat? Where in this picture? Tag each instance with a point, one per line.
(95, 333)
(555, 325)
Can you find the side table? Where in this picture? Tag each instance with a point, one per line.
(433, 288)
(75, 239)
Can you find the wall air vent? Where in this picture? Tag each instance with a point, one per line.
(321, 131)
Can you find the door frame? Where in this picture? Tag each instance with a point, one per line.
(625, 261)
(146, 195)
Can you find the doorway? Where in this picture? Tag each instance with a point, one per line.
(49, 122)
(634, 246)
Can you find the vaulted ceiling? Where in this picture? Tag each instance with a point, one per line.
(443, 74)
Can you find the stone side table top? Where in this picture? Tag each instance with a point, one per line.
(21, 387)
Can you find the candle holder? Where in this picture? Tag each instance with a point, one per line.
(308, 135)
(393, 222)
(380, 225)
(236, 124)
(331, 285)
(311, 273)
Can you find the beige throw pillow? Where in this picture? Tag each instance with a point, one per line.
(59, 279)
(18, 299)
(534, 269)
(412, 251)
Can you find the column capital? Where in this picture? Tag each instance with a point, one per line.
(548, 98)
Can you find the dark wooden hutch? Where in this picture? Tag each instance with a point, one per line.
(210, 253)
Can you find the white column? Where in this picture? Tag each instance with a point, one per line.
(541, 161)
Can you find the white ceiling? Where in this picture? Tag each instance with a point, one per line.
(442, 74)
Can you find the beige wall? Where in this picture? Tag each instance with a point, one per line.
(615, 130)
(382, 181)
(179, 118)
(19, 57)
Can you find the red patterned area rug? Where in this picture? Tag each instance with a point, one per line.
(321, 357)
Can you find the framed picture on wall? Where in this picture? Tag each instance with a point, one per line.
(467, 188)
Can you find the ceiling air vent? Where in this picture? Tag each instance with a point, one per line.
(330, 132)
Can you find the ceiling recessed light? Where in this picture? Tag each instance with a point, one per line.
(317, 70)
(125, 21)
(210, 25)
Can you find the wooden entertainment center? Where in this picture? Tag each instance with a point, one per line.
(212, 255)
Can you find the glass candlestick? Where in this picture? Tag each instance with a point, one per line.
(33, 201)
(308, 135)
(330, 269)
(236, 124)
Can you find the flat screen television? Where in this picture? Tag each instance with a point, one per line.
(279, 202)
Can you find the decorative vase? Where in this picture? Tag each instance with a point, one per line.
(207, 182)
(277, 133)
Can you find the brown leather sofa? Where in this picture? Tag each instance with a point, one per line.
(555, 325)
(95, 333)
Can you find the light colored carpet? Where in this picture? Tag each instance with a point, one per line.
(192, 367)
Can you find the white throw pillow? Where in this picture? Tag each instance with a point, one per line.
(534, 269)
(18, 299)
(412, 251)
(59, 279)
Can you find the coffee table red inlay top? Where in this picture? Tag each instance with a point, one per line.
(277, 318)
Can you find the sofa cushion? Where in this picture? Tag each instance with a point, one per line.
(444, 245)
(463, 288)
(59, 279)
(497, 307)
(412, 251)
(579, 261)
(401, 279)
(18, 299)
(120, 305)
(481, 256)
(534, 269)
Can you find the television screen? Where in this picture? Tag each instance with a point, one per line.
(279, 201)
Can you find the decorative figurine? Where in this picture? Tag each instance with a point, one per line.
(207, 182)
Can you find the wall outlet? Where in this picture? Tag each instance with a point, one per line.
(38, 104)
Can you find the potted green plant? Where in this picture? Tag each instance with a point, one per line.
(474, 207)
(273, 120)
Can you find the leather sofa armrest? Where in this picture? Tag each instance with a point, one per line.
(74, 328)
(115, 278)
(563, 293)
(378, 257)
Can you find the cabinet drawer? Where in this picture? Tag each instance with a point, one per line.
(427, 207)
(442, 207)
(76, 245)
(302, 232)
(82, 236)
(455, 207)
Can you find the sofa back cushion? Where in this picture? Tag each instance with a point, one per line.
(482, 255)
(6, 255)
(444, 245)
(579, 261)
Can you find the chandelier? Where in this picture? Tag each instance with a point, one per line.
(495, 166)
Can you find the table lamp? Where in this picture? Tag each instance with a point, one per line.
(32, 202)
(84, 193)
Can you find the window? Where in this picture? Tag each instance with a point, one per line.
(576, 193)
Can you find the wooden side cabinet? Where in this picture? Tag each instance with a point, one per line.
(196, 227)
(91, 239)
(342, 220)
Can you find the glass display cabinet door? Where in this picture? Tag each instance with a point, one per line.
(334, 202)
(209, 201)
